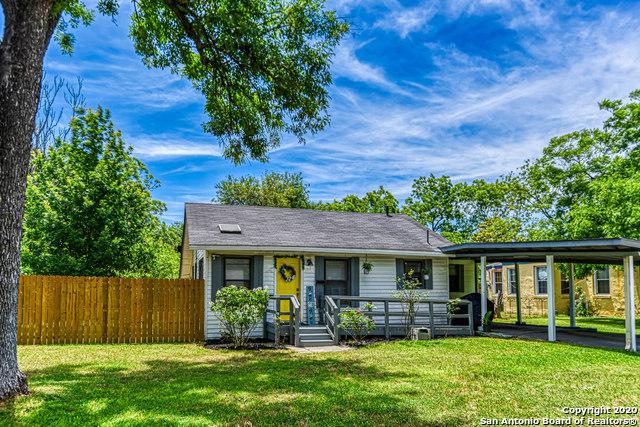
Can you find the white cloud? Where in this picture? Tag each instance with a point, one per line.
(407, 20)
(346, 64)
(171, 146)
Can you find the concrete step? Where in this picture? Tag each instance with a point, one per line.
(316, 343)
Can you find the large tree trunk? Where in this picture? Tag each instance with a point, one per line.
(27, 30)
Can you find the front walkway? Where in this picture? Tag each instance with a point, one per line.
(584, 337)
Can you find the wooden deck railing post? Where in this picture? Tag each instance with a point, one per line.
(387, 332)
(336, 322)
(470, 311)
(292, 338)
(297, 324)
(431, 321)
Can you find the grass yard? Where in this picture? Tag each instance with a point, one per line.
(611, 325)
(429, 383)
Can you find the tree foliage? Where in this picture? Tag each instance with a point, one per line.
(459, 211)
(376, 201)
(89, 209)
(284, 190)
(263, 66)
(586, 182)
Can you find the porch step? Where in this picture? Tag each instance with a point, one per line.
(313, 329)
(314, 336)
(316, 343)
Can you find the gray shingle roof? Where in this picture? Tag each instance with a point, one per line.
(283, 227)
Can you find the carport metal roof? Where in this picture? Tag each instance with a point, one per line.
(590, 251)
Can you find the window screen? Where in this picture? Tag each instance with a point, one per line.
(602, 282)
(541, 280)
(511, 278)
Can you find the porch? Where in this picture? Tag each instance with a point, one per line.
(432, 317)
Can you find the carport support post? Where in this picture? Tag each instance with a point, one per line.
(629, 304)
(518, 297)
(483, 290)
(551, 299)
(572, 299)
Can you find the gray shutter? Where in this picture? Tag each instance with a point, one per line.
(257, 275)
(354, 281)
(216, 276)
(319, 269)
(399, 270)
(428, 265)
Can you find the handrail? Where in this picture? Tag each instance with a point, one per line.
(294, 315)
(332, 312)
(390, 299)
(332, 316)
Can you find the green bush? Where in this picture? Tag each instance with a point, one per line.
(581, 304)
(240, 310)
(357, 323)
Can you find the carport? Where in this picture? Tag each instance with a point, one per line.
(591, 251)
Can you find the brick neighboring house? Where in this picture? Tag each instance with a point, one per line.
(604, 289)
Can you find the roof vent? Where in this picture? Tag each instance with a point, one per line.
(229, 228)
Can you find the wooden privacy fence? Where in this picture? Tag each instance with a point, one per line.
(71, 310)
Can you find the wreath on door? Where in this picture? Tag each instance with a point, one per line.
(287, 273)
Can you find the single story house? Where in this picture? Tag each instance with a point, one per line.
(311, 253)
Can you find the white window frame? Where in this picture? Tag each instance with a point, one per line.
(565, 279)
(515, 282)
(596, 280)
(536, 281)
(495, 288)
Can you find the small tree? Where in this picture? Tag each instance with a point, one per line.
(410, 296)
(240, 310)
(581, 303)
(358, 323)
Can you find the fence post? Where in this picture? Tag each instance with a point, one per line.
(431, 322)
(387, 333)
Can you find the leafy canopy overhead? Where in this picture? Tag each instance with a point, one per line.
(263, 66)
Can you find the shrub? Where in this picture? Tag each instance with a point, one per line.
(581, 304)
(358, 323)
(487, 321)
(240, 310)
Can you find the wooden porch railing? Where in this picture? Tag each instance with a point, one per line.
(333, 308)
(294, 313)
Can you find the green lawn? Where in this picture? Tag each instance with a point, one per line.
(612, 325)
(428, 383)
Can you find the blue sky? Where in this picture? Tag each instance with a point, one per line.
(467, 88)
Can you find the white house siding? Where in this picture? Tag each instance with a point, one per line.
(381, 282)
(212, 324)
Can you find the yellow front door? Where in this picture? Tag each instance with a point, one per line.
(287, 282)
